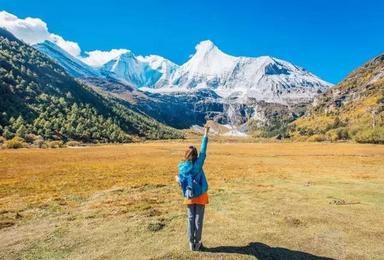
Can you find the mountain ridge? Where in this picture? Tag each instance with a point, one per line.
(39, 100)
(265, 78)
(198, 104)
(138, 71)
(75, 67)
(353, 109)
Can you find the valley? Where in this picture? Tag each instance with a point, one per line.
(257, 95)
(266, 200)
(99, 103)
(134, 98)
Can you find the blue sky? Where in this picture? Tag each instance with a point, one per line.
(329, 38)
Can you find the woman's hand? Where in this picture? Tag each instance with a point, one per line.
(206, 129)
(177, 179)
(188, 193)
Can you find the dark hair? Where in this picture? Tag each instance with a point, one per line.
(191, 154)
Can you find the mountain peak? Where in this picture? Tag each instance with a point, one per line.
(125, 56)
(205, 46)
(208, 60)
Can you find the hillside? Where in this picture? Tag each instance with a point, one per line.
(354, 109)
(73, 66)
(40, 100)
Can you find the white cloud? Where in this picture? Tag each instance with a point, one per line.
(35, 30)
(71, 47)
(97, 58)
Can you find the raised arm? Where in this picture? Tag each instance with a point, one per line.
(203, 148)
(204, 141)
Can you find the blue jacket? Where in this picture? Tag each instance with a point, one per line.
(191, 175)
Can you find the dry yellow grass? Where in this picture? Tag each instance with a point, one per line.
(266, 200)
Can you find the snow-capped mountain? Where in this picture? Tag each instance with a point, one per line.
(263, 78)
(166, 67)
(208, 67)
(139, 71)
(238, 91)
(235, 78)
(72, 65)
(133, 70)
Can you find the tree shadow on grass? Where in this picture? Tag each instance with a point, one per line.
(264, 252)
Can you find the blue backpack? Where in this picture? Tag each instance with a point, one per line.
(190, 184)
(196, 187)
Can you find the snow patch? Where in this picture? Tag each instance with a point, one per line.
(235, 132)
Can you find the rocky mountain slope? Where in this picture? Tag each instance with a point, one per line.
(186, 109)
(262, 78)
(247, 93)
(354, 109)
(139, 71)
(72, 65)
(40, 100)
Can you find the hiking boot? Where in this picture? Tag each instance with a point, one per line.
(198, 246)
(191, 246)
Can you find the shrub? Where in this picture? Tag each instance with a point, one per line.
(15, 143)
(56, 144)
(332, 135)
(299, 138)
(73, 143)
(317, 138)
(315, 126)
(30, 138)
(7, 133)
(154, 227)
(340, 133)
(372, 135)
(39, 142)
(353, 130)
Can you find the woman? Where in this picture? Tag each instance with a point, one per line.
(194, 187)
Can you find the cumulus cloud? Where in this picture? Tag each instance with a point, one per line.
(71, 47)
(35, 30)
(30, 30)
(97, 58)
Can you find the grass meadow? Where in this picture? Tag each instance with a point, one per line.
(267, 200)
